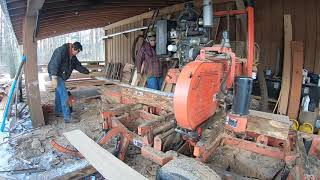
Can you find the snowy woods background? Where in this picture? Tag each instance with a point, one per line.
(93, 45)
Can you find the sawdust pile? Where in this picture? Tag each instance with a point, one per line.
(30, 154)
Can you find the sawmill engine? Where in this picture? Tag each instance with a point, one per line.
(182, 39)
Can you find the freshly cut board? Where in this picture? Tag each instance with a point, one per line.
(287, 63)
(296, 79)
(102, 160)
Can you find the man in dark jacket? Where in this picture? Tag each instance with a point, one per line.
(60, 67)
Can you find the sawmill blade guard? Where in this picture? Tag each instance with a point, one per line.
(195, 93)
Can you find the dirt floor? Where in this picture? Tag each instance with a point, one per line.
(28, 154)
(314, 165)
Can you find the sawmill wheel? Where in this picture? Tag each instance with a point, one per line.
(185, 168)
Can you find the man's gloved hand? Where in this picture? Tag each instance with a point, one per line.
(54, 82)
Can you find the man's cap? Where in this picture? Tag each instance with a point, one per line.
(151, 34)
(77, 46)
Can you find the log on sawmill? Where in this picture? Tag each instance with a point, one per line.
(268, 124)
(148, 97)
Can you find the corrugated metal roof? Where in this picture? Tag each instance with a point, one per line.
(64, 16)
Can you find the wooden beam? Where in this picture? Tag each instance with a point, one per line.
(33, 6)
(31, 72)
(286, 73)
(102, 160)
(163, 11)
(296, 79)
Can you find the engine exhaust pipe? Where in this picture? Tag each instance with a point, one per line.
(207, 13)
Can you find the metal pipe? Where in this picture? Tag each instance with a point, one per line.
(241, 95)
(207, 13)
(250, 49)
(123, 32)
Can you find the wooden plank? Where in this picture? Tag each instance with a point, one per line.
(143, 80)
(268, 124)
(136, 80)
(31, 71)
(286, 73)
(102, 160)
(296, 83)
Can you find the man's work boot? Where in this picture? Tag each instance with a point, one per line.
(58, 115)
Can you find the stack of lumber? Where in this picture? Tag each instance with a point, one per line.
(114, 71)
(94, 66)
(290, 95)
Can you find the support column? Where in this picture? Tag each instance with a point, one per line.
(31, 72)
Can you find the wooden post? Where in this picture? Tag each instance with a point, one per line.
(286, 73)
(31, 72)
(296, 79)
